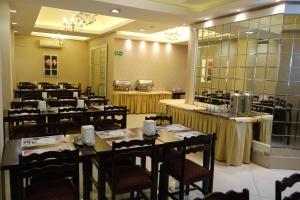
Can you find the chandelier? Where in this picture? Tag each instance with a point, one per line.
(172, 35)
(78, 20)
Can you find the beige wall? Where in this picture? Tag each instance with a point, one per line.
(5, 46)
(164, 64)
(73, 61)
(109, 40)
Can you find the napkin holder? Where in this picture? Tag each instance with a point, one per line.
(80, 103)
(75, 94)
(42, 106)
(149, 128)
(88, 135)
(44, 95)
(61, 86)
(39, 86)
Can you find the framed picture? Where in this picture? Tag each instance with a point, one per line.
(50, 65)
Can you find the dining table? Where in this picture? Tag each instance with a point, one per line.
(166, 135)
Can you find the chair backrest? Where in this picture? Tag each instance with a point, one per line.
(66, 101)
(50, 86)
(52, 164)
(97, 100)
(201, 143)
(230, 195)
(23, 104)
(26, 87)
(16, 116)
(160, 119)
(70, 110)
(33, 98)
(134, 148)
(116, 115)
(287, 182)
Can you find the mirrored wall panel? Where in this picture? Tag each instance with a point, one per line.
(260, 56)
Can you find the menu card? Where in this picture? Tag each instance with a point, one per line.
(188, 134)
(62, 147)
(46, 140)
(173, 127)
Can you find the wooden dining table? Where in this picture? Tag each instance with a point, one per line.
(167, 134)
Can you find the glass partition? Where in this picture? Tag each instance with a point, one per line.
(261, 56)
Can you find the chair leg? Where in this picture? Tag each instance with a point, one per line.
(187, 189)
(181, 191)
(143, 162)
(132, 195)
(163, 183)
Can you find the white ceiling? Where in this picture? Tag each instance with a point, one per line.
(151, 15)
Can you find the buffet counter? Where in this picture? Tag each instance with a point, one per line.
(234, 134)
(141, 102)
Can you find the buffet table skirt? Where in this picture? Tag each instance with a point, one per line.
(141, 102)
(234, 138)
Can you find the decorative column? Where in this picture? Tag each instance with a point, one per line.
(191, 66)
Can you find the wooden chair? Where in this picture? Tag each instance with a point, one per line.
(97, 100)
(287, 182)
(160, 120)
(188, 172)
(25, 123)
(23, 104)
(26, 87)
(66, 101)
(50, 176)
(130, 178)
(71, 119)
(230, 195)
(114, 117)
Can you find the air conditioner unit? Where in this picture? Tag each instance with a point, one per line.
(50, 44)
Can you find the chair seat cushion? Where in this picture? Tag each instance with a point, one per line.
(62, 189)
(192, 170)
(130, 177)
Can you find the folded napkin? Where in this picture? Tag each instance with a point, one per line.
(110, 134)
(188, 134)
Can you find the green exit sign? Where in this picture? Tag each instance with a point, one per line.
(119, 53)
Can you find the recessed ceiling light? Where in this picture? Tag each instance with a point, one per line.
(14, 23)
(249, 32)
(238, 10)
(116, 11)
(15, 31)
(206, 18)
(12, 10)
(184, 24)
(142, 30)
(277, 0)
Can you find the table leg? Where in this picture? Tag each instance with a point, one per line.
(101, 180)
(163, 183)
(87, 174)
(15, 185)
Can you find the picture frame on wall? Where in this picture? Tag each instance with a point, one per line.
(50, 65)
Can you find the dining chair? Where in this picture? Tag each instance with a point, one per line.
(71, 119)
(113, 117)
(132, 178)
(96, 100)
(51, 175)
(25, 123)
(287, 182)
(161, 119)
(26, 87)
(23, 104)
(187, 172)
(173, 154)
(230, 195)
(66, 101)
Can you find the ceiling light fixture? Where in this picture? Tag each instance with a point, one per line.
(238, 10)
(12, 11)
(277, 0)
(78, 20)
(116, 11)
(249, 32)
(15, 31)
(142, 30)
(14, 23)
(206, 18)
